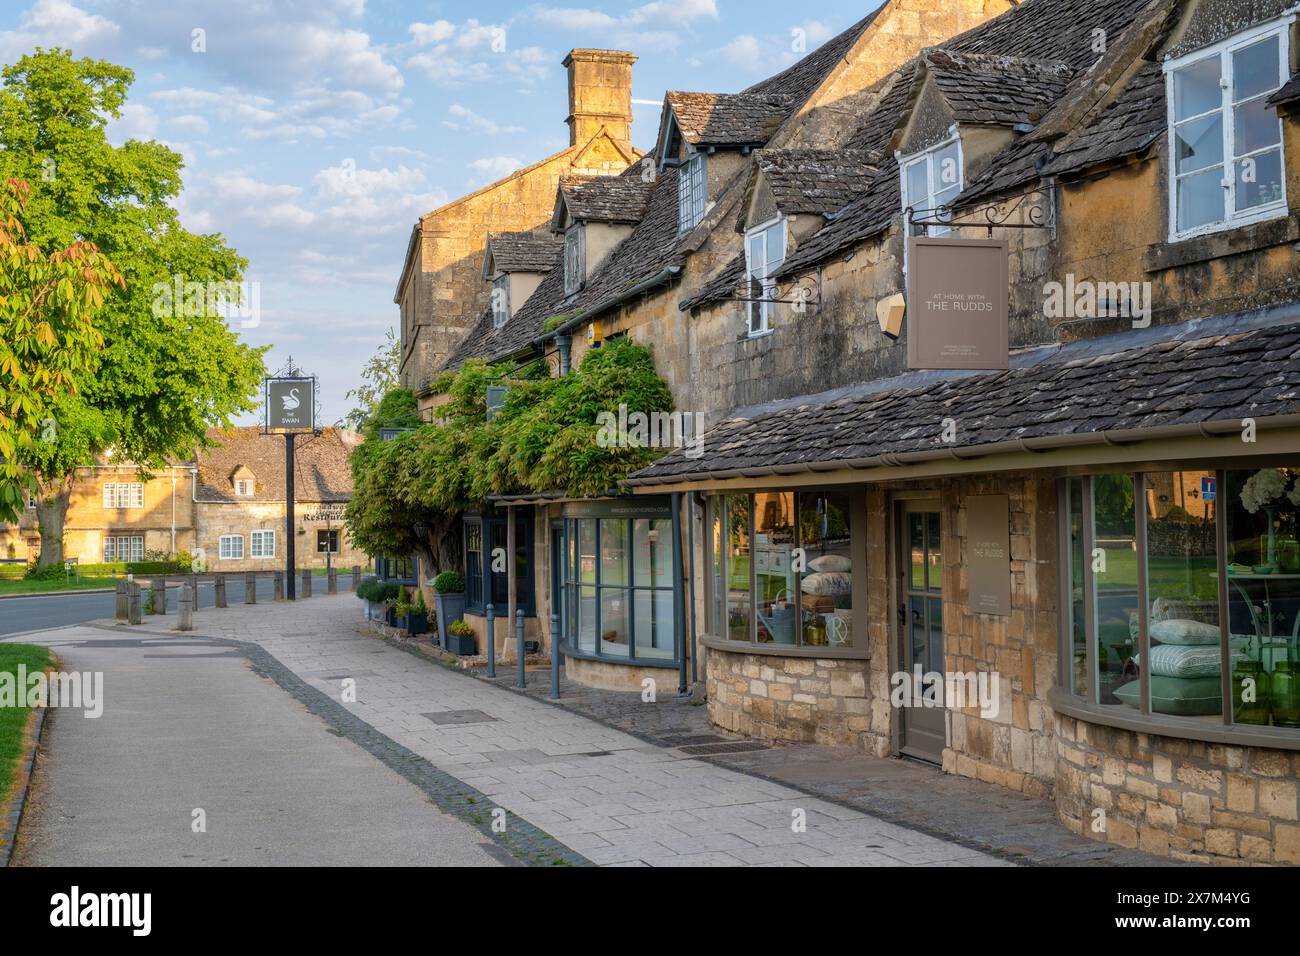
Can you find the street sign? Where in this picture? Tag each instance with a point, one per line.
(290, 405)
(1208, 488)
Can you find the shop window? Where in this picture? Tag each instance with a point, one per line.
(486, 571)
(781, 569)
(474, 564)
(1226, 156)
(618, 586)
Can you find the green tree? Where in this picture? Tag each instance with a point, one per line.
(379, 378)
(168, 369)
(47, 337)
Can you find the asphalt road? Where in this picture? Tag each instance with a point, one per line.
(19, 615)
(190, 734)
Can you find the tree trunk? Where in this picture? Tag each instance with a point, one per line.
(52, 513)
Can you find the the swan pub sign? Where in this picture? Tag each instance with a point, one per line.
(290, 404)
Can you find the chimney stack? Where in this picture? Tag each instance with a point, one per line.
(600, 94)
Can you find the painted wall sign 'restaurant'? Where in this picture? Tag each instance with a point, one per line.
(957, 303)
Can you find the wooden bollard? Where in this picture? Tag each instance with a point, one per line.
(250, 588)
(219, 590)
(123, 601)
(133, 604)
(159, 595)
(306, 583)
(186, 622)
(356, 576)
(277, 581)
(332, 581)
(194, 593)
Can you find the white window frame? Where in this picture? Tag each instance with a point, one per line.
(123, 547)
(245, 483)
(759, 315)
(573, 270)
(225, 553)
(123, 494)
(692, 192)
(500, 297)
(257, 547)
(928, 156)
(1224, 50)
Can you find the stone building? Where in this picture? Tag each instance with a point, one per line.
(1052, 546)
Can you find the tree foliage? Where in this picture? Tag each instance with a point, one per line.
(378, 379)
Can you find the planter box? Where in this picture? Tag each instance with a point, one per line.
(415, 623)
(375, 610)
(390, 617)
(462, 646)
(451, 607)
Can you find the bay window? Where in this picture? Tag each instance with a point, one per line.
(1226, 154)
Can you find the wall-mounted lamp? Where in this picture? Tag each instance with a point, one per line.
(889, 312)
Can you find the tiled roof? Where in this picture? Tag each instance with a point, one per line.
(603, 198)
(1288, 93)
(1132, 122)
(1134, 381)
(523, 251)
(815, 180)
(320, 471)
(800, 80)
(996, 90)
(728, 119)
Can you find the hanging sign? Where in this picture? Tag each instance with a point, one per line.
(290, 405)
(957, 303)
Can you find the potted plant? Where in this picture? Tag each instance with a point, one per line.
(412, 616)
(449, 591)
(460, 638)
(368, 591)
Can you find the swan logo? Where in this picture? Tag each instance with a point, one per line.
(289, 404)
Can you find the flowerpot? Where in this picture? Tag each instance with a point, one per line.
(416, 623)
(1249, 679)
(461, 646)
(1285, 689)
(390, 617)
(451, 607)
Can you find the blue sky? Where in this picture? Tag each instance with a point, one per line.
(315, 132)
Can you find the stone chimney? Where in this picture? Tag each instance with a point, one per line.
(600, 94)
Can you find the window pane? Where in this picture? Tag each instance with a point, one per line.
(613, 621)
(1199, 144)
(775, 246)
(1115, 580)
(716, 547)
(1182, 599)
(587, 619)
(757, 258)
(613, 553)
(773, 566)
(1256, 70)
(1079, 680)
(1261, 506)
(933, 553)
(738, 611)
(947, 169)
(654, 624)
(652, 551)
(1255, 125)
(587, 550)
(1196, 88)
(826, 588)
(1259, 180)
(918, 187)
(1200, 199)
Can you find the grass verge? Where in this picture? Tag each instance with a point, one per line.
(14, 720)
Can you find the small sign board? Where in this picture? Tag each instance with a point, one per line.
(290, 405)
(957, 303)
(1209, 488)
(988, 542)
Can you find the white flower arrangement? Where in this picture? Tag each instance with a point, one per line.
(1264, 487)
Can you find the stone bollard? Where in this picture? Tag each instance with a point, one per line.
(521, 681)
(332, 581)
(306, 582)
(491, 640)
(356, 576)
(133, 604)
(250, 588)
(159, 595)
(278, 578)
(186, 622)
(219, 590)
(555, 657)
(122, 601)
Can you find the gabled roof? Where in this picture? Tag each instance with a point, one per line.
(728, 119)
(1131, 123)
(321, 468)
(1211, 371)
(617, 199)
(1288, 93)
(815, 180)
(520, 252)
(996, 90)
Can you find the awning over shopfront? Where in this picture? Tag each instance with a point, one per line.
(1178, 391)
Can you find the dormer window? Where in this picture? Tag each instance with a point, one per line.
(244, 487)
(574, 254)
(931, 181)
(1226, 157)
(692, 193)
(500, 301)
(764, 253)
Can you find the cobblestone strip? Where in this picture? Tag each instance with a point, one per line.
(522, 840)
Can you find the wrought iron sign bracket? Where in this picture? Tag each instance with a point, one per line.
(802, 292)
(1036, 207)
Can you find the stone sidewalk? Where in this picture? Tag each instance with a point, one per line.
(613, 798)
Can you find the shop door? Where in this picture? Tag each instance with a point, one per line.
(920, 629)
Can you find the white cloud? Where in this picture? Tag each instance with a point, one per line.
(742, 51)
(70, 25)
(493, 168)
(634, 29)
(425, 34)
(137, 121)
(189, 123)
(475, 52)
(465, 118)
(315, 113)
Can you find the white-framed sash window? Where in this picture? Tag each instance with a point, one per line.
(123, 494)
(123, 547)
(692, 192)
(764, 255)
(931, 180)
(573, 259)
(262, 544)
(231, 547)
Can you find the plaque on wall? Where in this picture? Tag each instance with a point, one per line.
(988, 558)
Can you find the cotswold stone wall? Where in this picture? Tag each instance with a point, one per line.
(1185, 799)
(794, 698)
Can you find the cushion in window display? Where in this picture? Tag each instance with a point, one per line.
(1188, 660)
(1180, 631)
(831, 562)
(1177, 696)
(827, 583)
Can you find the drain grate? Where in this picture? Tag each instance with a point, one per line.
(459, 717)
(681, 740)
(738, 747)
